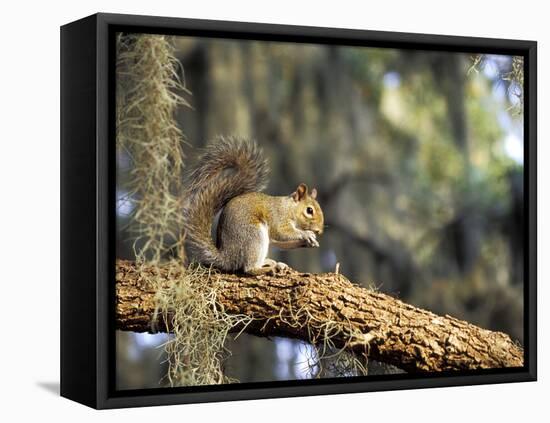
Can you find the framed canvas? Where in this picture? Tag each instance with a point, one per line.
(257, 211)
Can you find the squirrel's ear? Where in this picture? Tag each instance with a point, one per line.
(300, 192)
(313, 193)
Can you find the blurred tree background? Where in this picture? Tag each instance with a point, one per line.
(418, 160)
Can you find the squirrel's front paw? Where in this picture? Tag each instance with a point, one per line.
(311, 239)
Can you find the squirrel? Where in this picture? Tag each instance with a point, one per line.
(229, 176)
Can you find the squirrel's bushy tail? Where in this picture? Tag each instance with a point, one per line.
(228, 167)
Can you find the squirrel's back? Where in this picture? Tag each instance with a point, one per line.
(228, 167)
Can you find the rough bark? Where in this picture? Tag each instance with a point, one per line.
(314, 306)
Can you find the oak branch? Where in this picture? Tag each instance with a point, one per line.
(310, 306)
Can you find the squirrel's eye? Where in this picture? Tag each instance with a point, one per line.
(309, 211)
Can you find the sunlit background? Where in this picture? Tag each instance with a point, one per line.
(418, 160)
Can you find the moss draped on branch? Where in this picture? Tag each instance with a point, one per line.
(317, 307)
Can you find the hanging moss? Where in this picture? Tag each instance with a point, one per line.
(148, 94)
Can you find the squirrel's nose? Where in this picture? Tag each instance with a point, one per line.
(318, 231)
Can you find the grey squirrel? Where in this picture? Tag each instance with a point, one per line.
(230, 175)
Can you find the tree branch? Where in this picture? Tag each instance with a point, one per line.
(309, 306)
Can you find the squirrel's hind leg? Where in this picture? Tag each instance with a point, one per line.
(270, 266)
(258, 263)
(260, 271)
(277, 265)
(254, 250)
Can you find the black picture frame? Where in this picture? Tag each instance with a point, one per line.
(87, 209)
